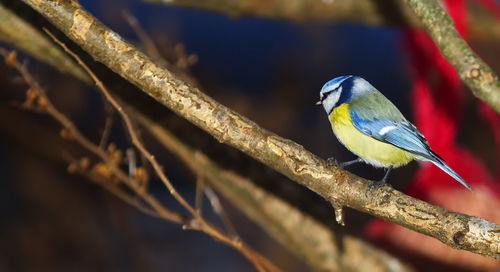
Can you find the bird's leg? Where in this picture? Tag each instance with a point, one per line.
(333, 162)
(347, 163)
(381, 182)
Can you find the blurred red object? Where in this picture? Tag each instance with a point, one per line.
(436, 114)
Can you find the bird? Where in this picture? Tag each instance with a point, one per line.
(371, 126)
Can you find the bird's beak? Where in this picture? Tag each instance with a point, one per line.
(318, 103)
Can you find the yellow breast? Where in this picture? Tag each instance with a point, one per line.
(367, 148)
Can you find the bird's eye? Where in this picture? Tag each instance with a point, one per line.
(324, 95)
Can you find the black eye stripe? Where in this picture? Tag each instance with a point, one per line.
(325, 95)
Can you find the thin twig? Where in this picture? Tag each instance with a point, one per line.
(200, 186)
(108, 124)
(81, 166)
(130, 128)
(220, 211)
(121, 194)
(131, 161)
(73, 133)
(260, 262)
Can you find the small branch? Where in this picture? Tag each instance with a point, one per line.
(119, 193)
(370, 12)
(367, 11)
(338, 212)
(130, 128)
(108, 124)
(476, 74)
(221, 212)
(42, 103)
(287, 157)
(200, 188)
(38, 100)
(197, 223)
(17, 32)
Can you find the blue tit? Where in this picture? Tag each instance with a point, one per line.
(372, 128)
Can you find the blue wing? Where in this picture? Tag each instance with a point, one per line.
(388, 125)
(399, 133)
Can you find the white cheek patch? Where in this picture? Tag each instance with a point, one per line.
(331, 100)
(386, 129)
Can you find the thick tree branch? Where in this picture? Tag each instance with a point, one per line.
(308, 239)
(476, 74)
(454, 229)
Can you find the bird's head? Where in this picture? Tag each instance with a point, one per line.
(342, 89)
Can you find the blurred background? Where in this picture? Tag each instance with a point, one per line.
(269, 69)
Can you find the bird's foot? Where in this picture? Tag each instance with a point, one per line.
(380, 183)
(333, 162)
(377, 184)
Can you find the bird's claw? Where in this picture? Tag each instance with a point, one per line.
(333, 162)
(377, 184)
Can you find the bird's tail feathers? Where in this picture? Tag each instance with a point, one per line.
(443, 166)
